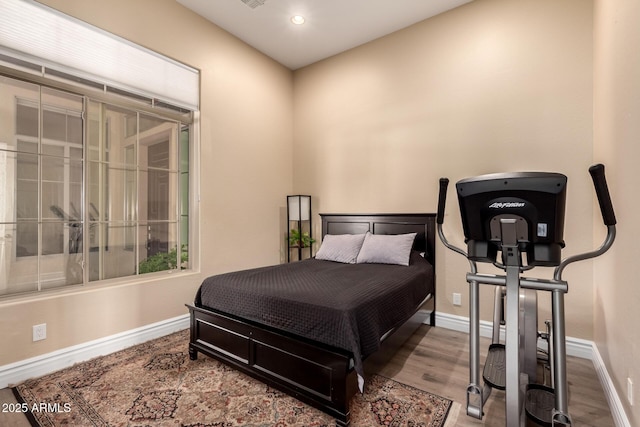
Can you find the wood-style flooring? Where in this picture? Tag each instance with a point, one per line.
(436, 360)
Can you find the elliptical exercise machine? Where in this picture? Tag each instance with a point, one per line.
(520, 214)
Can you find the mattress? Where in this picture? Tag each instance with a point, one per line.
(347, 306)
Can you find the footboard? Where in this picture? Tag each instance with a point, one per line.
(319, 376)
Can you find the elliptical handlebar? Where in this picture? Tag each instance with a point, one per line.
(602, 191)
(606, 208)
(442, 199)
(608, 217)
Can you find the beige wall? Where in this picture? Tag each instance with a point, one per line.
(617, 144)
(491, 86)
(246, 172)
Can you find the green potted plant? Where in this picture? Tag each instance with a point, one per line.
(164, 261)
(300, 239)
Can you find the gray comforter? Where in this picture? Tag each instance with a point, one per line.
(348, 306)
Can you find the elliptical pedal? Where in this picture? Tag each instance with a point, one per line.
(539, 404)
(494, 372)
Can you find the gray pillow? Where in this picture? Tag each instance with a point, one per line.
(386, 248)
(340, 247)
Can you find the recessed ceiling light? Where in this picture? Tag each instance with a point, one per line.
(297, 19)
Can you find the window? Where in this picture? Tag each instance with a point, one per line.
(133, 192)
(89, 190)
(61, 178)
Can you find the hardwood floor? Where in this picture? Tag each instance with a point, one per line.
(436, 360)
(7, 418)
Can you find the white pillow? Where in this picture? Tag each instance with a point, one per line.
(386, 248)
(340, 247)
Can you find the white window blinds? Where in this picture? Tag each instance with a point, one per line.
(40, 35)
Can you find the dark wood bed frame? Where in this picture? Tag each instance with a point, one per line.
(317, 374)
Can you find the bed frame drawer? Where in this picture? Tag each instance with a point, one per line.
(302, 372)
(219, 337)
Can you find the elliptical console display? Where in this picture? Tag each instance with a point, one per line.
(536, 200)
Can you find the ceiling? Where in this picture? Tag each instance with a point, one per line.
(331, 26)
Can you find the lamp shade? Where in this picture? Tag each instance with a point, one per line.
(299, 208)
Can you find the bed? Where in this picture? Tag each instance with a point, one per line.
(292, 346)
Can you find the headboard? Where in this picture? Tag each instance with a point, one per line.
(423, 224)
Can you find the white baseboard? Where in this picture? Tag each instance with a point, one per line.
(18, 372)
(575, 347)
(615, 404)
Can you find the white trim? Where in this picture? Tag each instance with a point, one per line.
(18, 372)
(615, 404)
(577, 347)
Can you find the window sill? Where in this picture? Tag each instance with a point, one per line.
(9, 300)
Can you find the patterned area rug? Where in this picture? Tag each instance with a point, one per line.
(156, 384)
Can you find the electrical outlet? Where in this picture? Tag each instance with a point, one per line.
(457, 299)
(39, 332)
(630, 391)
